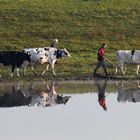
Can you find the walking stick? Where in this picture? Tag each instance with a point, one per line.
(110, 61)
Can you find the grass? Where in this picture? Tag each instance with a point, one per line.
(81, 26)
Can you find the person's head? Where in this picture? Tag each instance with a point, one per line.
(104, 45)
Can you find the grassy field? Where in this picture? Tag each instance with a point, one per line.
(81, 26)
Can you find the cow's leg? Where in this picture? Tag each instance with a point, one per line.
(137, 71)
(121, 65)
(116, 70)
(12, 73)
(122, 69)
(18, 72)
(47, 67)
(53, 89)
(52, 65)
(24, 65)
(24, 70)
(32, 68)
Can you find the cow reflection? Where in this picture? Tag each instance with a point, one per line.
(14, 98)
(129, 94)
(32, 97)
(101, 93)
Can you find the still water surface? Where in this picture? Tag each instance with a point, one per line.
(70, 111)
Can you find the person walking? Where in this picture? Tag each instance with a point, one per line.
(53, 43)
(100, 57)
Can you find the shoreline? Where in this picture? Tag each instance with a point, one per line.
(70, 78)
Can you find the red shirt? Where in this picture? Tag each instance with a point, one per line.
(101, 53)
(102, 102)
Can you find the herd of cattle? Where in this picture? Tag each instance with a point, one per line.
(32, 56)
(49, 56)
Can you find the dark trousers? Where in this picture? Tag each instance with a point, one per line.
(101, 64)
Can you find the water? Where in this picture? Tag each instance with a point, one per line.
(76, 114)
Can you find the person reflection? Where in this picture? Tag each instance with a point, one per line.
(101, 93)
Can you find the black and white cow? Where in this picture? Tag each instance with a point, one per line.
(37, 55)
(47, 55)
(53, 54)
(128, 57)
(15, 96)
(14, 59)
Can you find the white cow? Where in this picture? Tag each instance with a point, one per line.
(37, 55)
(47, 55)
(128, 57)
(129, 94)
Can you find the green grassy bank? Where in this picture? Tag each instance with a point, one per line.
(81, 26)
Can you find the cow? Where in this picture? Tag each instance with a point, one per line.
(14, 97)
(48, 56)
(128, 57)
(53, 54)
(37, 55)
(47, 97)
(14, 59)
(30, 96)
(129, 94)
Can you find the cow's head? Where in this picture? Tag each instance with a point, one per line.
(65, 53)
(27, 57)
(62, 100)
(62, 53)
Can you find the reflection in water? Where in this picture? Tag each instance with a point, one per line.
(45, 94)
(101, 93)
(32, 97)
(78, 121)
(129, 94)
